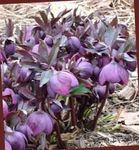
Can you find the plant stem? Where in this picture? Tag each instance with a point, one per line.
(60, 142)
(97, 115)
(73, 114)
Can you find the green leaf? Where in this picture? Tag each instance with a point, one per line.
(63, 41)
(111, 35)
(45, 77)
(79, 90)
(88, 112)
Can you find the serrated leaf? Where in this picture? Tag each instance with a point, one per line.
(79, 90)
(45, 77)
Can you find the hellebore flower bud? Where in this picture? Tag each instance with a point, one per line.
(24, 75)
(7, 146)
(9, 47)
(16, 139)
(85, 68)
(5, 109)
(113, 73)
(56, 106)
(73, 44)
(49, 40)
(25, 129)
(39, 122)
(101, 90)
(61, 82)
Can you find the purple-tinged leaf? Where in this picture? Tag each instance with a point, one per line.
(54, 52)
(43, 50)
(38, 20)
(114, 22)
(44, 17)
(26, 93)
(9, 27)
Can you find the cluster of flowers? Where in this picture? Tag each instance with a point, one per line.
(60, 64)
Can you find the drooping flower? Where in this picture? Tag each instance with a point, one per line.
(39, 122)
(9, 47)
(61, 82)
(56, 106)
(16, 139)
(101, 90)
(5, 108)
(113, 73)
(84, 67)
(7, 145)
(73, 44)
(10, 92)
(24, 75)
(25, 129)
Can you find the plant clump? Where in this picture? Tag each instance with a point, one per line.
(55, 70)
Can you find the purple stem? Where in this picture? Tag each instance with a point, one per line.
(97, 115)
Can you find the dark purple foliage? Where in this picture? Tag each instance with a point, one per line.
(56, 70)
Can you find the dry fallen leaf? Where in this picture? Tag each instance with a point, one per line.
(131, 128)
(129, 118)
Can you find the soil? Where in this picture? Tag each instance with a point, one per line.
(114, 130)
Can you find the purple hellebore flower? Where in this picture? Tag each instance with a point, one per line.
(100, 90)
(24, 74)
(16, 139)
(85, 68)
(39, 122)
(56, 106)
(25, 129)
(73, 44)
(5, 108)
(61, 82)
(7, 145)
(10, 92)
(9, 47)
(113, 73)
